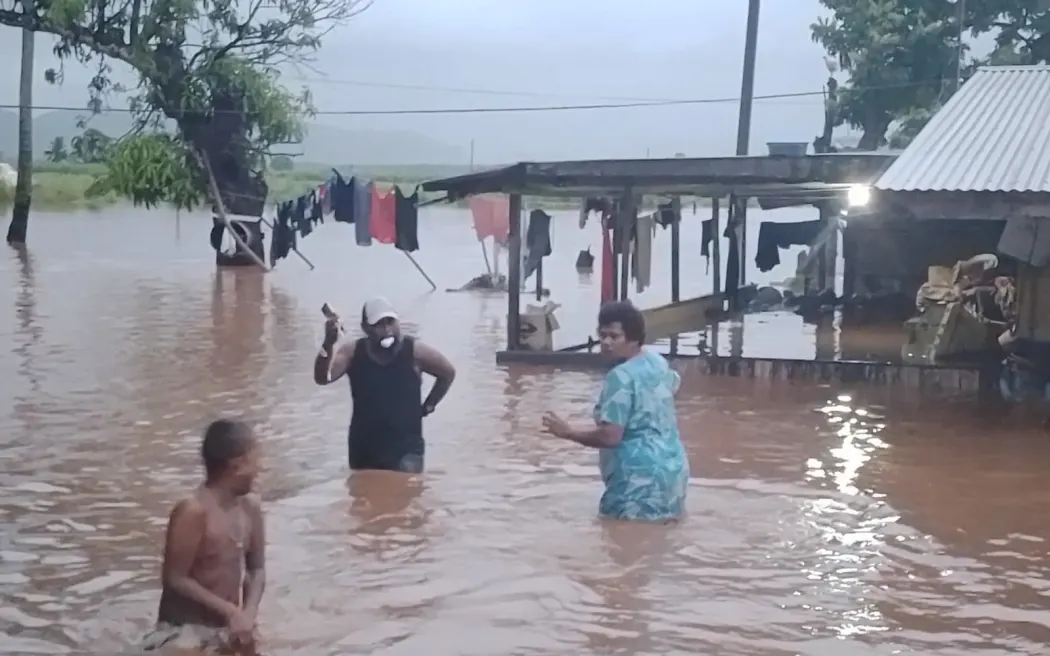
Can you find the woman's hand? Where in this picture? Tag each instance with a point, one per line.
(556, 426)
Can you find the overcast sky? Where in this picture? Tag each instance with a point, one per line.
(561, 52)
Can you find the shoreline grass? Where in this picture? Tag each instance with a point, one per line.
(59, 187)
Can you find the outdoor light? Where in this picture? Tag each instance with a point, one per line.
(858, 195)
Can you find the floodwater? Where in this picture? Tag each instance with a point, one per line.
(816, 516)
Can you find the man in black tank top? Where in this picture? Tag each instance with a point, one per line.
(385, 371)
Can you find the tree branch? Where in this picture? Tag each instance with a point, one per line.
(103, 44)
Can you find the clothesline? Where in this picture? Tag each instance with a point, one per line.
(387, 217)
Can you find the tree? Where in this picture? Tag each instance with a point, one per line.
(91, 147)
(57, 152)
(210, 67)
(281, 163)
(19, 227)
(898, 54)
(1021, 27)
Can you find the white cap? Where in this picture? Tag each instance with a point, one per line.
(378, 309)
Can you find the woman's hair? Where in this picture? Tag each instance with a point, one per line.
(629, 317)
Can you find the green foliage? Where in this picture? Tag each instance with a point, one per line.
(150, 169)
(208, 65)
(91, 146)
(899, 55)
(909, 126)
(281, 163)
(1021, 29)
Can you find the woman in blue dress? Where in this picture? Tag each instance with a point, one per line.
(642, 460)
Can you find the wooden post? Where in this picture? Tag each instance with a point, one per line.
(628, 219)
(539, 281)
(430, 281)
(615, 239)
(741, 214)
(831, 247)
(716, 246)
(716, 262)
(485, 256)
(514, 276)
(676, 247)
(849, 263)
(743, 126)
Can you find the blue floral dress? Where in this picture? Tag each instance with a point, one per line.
(646, 476)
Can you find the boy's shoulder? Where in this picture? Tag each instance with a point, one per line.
(190, 504)
(251, 502)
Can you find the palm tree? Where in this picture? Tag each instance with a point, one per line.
(57, 152)
(16, 231)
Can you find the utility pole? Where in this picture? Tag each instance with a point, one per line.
(743, 132)
(747, 80)
(16, 231)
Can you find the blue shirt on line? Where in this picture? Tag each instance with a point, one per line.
(646, 476)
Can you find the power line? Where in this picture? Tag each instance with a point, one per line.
(474, 110)
(471, 90)
(507, 110)
(478, 91)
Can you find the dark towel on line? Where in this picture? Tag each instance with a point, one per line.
(774, 236)
(707, 235)
(406, 219)
(343, 205)
(538, 241)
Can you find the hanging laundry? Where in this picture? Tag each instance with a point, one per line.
(593, 205)
(707, 236)
(406, 220)
(665, 214)
(537, 241)
(774, 236)
(324, 193)
(384, 216)
(283, 239)
(316, 213)
(642, 252)
(343, 202)
(491, 217)
(585, 261)
(300, 220)
(608, 281)
(362, 211)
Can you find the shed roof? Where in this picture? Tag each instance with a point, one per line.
(993, 135)
(709, 176)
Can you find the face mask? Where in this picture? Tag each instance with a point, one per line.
(387, 342)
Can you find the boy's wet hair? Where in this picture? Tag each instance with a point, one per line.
(225, 440)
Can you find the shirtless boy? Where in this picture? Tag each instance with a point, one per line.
(214, 560)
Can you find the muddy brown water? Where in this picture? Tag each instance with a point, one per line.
(821, 521)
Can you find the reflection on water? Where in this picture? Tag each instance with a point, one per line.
(817, 515)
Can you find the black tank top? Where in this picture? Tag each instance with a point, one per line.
(387, 420)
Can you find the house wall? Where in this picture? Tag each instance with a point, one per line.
(1033, 303)
(893, 255)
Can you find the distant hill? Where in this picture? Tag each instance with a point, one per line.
(323, 143)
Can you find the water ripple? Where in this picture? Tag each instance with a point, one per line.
(815, 516)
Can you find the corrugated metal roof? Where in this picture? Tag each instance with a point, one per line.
(703, 176)
(992, 135)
